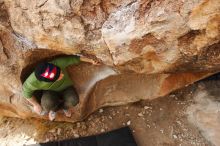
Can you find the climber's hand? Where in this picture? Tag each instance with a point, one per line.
(38, 109)
(95, 62)
(85, 59)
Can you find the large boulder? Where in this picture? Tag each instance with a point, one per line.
(148, 48)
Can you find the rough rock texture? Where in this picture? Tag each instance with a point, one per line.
(205, 113)
(149, 47)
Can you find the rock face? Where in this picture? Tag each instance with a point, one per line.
(148, 47)
(205, 113)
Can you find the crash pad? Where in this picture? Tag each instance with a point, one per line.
(118, 137)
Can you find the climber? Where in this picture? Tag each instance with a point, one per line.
(56, 86)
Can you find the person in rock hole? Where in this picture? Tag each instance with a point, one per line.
(56, 86)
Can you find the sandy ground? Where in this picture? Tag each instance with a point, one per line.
(160, 122)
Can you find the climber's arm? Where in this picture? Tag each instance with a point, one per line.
(66, 61)
(27, 92)
(70, 60)
(36, 105)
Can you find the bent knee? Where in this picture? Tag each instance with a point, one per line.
(71, 102)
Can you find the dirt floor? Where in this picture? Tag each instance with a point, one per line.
(161, 122)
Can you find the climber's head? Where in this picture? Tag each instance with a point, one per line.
(47, 72)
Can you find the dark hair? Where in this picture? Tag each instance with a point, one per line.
(41, 68)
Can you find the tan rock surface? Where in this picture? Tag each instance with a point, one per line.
(162, 122)
(148, 48)
(205, 113)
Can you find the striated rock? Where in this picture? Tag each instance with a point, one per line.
(148, 48)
